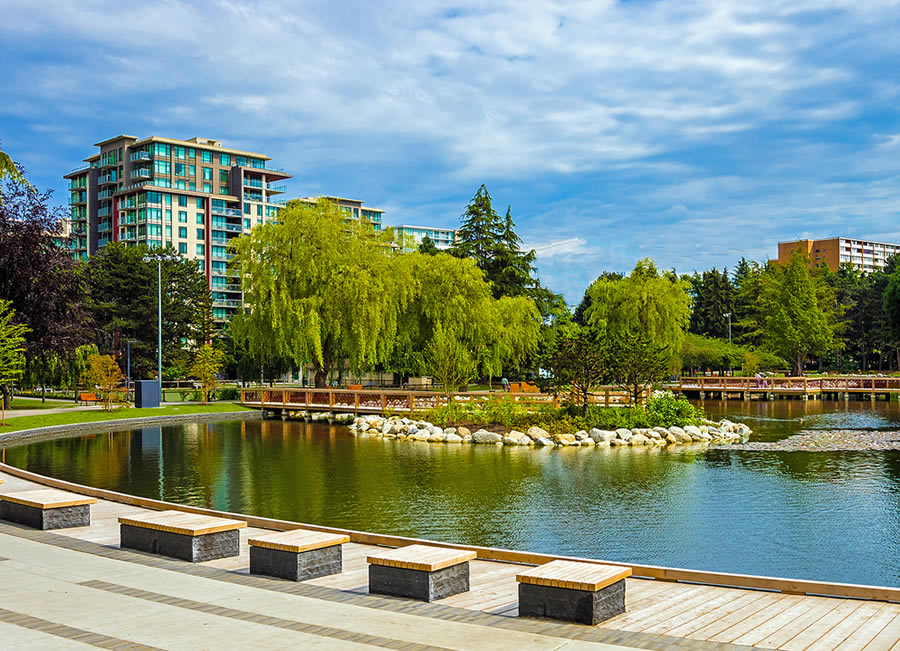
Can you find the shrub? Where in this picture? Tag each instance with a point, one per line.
(228, 393)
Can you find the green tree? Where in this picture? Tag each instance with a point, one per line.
(798, 309)
(102, 372)
(428, 247)
(207, 365)
(449, 361)
(636, 362)
(645, 303)
(8, 169)
(123, 301)
(320, 290)
(713, 298)
(579, 362)
(12, 354)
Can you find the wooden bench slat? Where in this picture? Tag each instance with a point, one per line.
(47, 498)
(574, 575)
(189, 524)
(423, 558)
(298, 540)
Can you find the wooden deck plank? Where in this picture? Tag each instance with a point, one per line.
(790, 614)
(656, 612)
(757, 619)
(298, 540)
(689, 628)
(843, 630)
(887, 637)
(870, 630)
(766, 600)
(793, 628)
(692, 614)
(807, 637)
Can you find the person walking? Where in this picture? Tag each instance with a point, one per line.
(505, 384)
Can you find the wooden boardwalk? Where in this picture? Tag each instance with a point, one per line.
(676, 610)
(379, 401)
(804, 387)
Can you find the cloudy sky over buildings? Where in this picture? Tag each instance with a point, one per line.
(692, 132)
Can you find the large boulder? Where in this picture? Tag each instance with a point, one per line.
(693, 430)
(452, 438)
(464, 432)
(624, 433)
(421, 435)
(638, 439)
(565, 439)
(516, 437)
(535, 433)
(483, 436)
(437, 437)
(545, 441)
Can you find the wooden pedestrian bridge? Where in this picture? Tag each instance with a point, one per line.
(289, 401)
(768, 388)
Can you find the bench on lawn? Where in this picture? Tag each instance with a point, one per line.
(47, 508)
(420, 572)
(186, 536)
(85, 398)
(588, 593)
(297, 555)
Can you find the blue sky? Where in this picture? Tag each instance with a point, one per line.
(692, 132)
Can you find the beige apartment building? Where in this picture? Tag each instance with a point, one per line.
(864, 255)
(194, 195)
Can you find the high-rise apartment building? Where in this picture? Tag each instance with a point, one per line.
(835, 251)
(194, 195)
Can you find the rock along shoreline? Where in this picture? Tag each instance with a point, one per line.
(396, 427)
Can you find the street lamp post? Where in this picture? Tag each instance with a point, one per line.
(159, 260)
(728, 314)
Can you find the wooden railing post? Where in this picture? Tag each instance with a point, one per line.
(284, 395)
(331, 398)
(805, 384)
(412, 403)
(356, 395)
(383, 402)
(243, 398)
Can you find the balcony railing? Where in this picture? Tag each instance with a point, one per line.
(127, 203)
(253, 183)
(227, 303)
(106, 179)
(105, 194)
(226, 288)
(278, 202)
(106, 211)
(102, 227)
(140, 155)
(248, 196)
(271, 187)
(78, 185)
(143, 173)
(227, 212)
(219, 257)
(232, 228)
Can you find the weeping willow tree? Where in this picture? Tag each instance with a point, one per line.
(320, 289)
(644, 304)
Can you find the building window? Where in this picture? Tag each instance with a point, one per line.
(180, 184)
(200, 235)
(259, 210)
(201, 218)
(159, 149)
(182, 216)
(182, 247)
(169, 232)
(246, 223)
(224, 159)
(207, 174)
(182, 201)
(179, 168)
(182, 232)
(206, 156)
(246, 208)
(207, 187)
(178, 151)
(199, 202)
(223, 190)
(169, 215)
(200, 249)
(162, 167)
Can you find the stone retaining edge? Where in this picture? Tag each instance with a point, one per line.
(111, 425)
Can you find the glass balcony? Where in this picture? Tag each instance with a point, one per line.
(253, 183)
(105, 194)
(143, 173)
(227, 302)
(106, 179)
(251, 196)
(227, 212)
(271, 187)
(139, 155)
(231, 228)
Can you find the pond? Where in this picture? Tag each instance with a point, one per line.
(831, 516)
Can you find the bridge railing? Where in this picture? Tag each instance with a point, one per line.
(381, 400)
(823, 383)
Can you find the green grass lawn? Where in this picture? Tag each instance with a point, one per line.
(27, 422)
(35, 403)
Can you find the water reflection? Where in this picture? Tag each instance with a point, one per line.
(827, 516)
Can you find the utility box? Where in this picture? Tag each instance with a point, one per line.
(146, 393)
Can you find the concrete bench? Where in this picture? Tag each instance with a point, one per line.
(47, 508)
(588, 593)
(420, 572)
(297, 555)
(186, 536)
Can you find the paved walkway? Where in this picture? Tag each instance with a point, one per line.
(76, 587)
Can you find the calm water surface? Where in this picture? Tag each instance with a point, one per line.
(828, 516)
